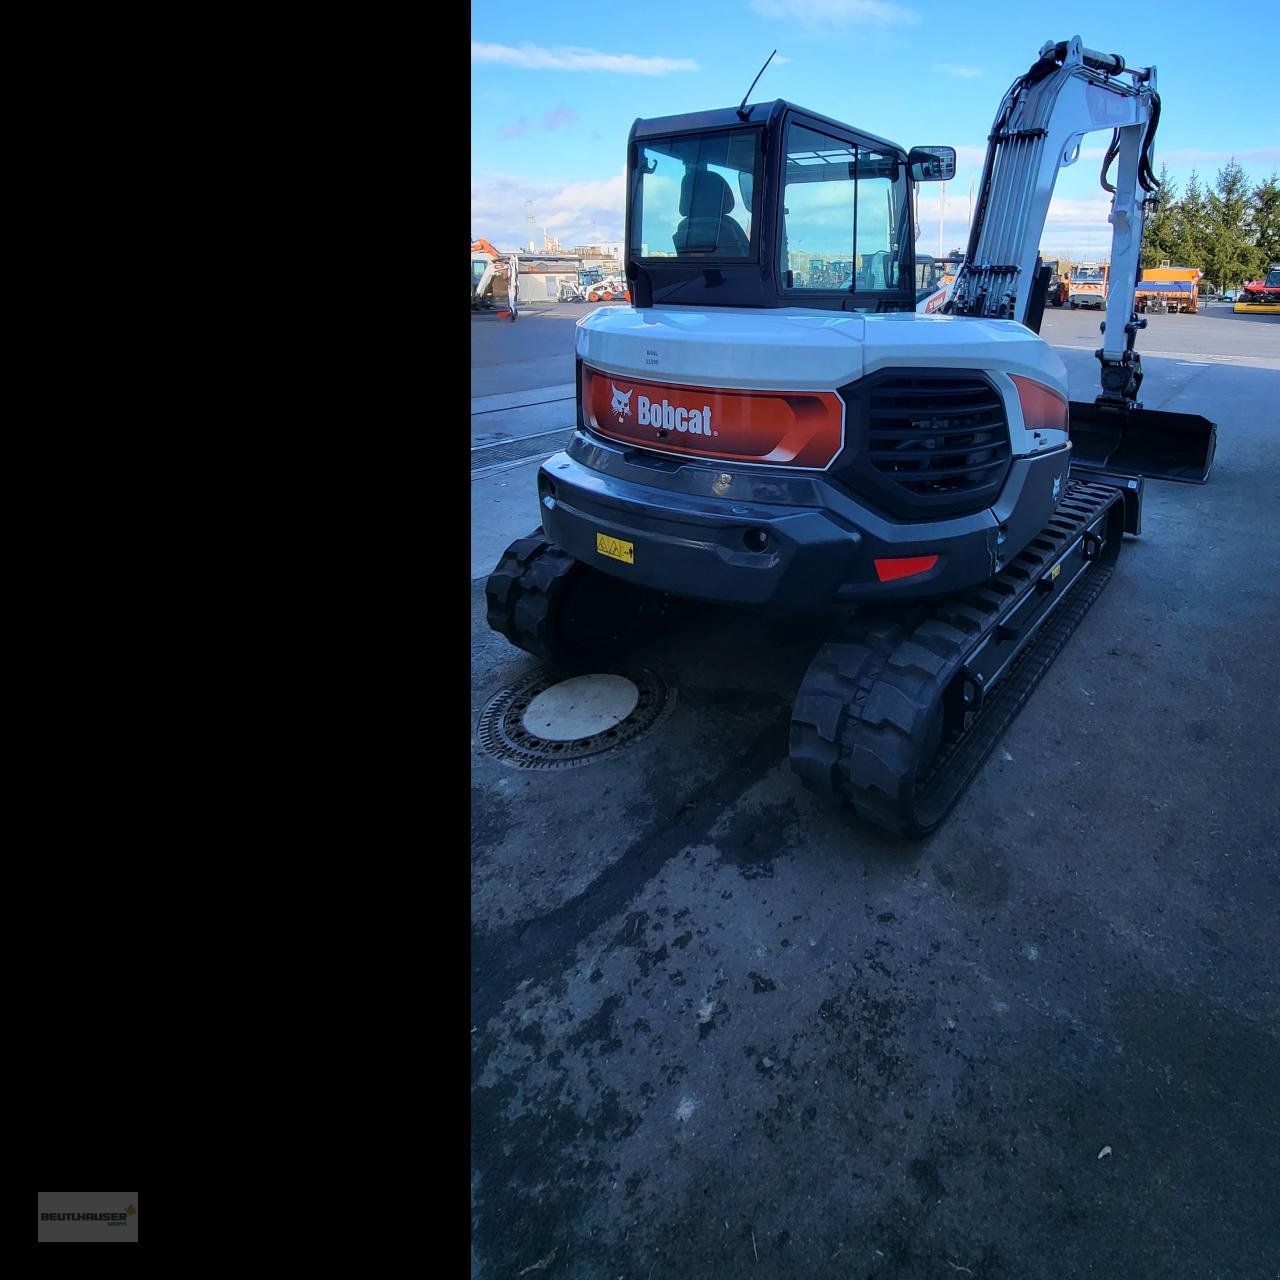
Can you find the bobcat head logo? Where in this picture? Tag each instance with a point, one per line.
(621, 403)
(1057, 487)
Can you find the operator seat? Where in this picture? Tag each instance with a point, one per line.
(705, 202)
(878, 270)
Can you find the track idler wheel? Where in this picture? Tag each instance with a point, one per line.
(561, 610)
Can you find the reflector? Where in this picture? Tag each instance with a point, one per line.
(903, 567)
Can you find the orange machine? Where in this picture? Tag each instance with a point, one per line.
(488, 261)
(1169, 289)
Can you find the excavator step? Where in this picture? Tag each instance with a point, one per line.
(898, 712)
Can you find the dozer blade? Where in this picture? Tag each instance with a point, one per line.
(1142, 442)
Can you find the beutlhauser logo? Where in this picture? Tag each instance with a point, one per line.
(111, 1219)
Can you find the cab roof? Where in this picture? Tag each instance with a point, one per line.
(756, 113)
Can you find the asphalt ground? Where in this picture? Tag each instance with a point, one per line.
(721, 1030)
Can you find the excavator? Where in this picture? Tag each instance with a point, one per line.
(771, 424)
(487, 261)
(934, 278)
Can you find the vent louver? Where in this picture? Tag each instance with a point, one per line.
(932, 444)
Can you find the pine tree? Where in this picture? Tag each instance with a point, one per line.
(1264, 223)
(1189, 235)
(1230, 245)
(1159, 232)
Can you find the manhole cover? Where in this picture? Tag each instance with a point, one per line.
(583, 707)
(548, 722)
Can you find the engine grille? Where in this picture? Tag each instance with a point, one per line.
(932, 444)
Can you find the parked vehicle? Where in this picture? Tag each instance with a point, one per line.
(487, 264)
(1169, 289)
(609, 290)
(1088, 286)
(1261, 295)
(934, 277)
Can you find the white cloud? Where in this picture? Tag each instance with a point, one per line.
(574, 59)
(838, 13)
(577, 212)
(955, 69)
(1074, 225)
(1089, 211)
(1077, 225)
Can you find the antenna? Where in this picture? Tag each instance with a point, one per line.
(742, 115)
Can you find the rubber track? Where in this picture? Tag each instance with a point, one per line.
(867, 720)
(521, 594)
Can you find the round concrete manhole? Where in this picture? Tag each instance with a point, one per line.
(581, 708)
(547, 722)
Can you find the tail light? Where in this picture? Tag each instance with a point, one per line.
(1042, 407)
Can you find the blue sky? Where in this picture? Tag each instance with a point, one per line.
(556, 85)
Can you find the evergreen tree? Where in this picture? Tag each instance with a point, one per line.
(1189, 231)
(1230, 251)
(1159, 232)
(1264, 223)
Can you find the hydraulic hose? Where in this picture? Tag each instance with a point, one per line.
(1112, 151)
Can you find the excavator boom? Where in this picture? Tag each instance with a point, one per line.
(1070, 91)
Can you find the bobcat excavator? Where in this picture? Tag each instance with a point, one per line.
(772, 425)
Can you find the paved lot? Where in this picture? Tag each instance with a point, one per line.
(720, 1030)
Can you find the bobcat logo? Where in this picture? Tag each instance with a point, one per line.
(621, 403)
(1057, 487)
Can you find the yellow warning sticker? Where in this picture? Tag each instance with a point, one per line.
(616, 548)
(1053, 573)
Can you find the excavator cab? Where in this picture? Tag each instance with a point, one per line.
(772, 205)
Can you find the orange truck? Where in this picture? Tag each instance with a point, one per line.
(1169, 289)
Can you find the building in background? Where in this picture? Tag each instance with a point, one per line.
(606, 257)
(541, 274)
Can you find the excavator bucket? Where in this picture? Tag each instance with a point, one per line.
(1142, 442)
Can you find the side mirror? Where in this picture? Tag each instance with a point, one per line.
(932, 164)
